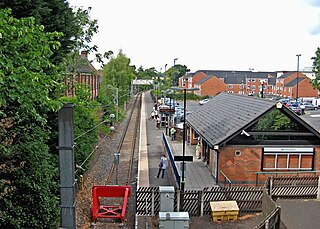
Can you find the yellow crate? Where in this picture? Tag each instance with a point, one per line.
(224, 218)
(224, 210)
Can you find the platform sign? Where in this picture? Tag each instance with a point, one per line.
(167, 110)
(183, 158)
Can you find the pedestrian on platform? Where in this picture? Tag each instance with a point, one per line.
(151, 115)
(172, 133)
(158, 122)
(162, 166)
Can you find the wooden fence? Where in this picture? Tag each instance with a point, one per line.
(197, 202)
(249, 199)
(293, 187)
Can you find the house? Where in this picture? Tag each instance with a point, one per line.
(287, 84)
(237, 82)
(84, 73)
(236, 147)
(210, 85)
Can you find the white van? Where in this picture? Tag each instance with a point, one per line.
(316, 102)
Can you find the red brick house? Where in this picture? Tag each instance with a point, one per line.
(238, 82)
(234, 147)
(210, 85)
(189, 80)
(86, 74)
(286, 86)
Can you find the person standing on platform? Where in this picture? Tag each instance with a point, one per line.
(172, 133)
(162, 166)
(158, 122)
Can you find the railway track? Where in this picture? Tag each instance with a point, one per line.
(105, 172)
(121, 173)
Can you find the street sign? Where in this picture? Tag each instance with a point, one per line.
(183, 158)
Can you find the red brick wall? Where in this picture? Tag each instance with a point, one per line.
(305, 89)
(213, 86)
(242, 168)
(197, 77)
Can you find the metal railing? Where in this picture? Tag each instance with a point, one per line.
(173, 166)
(226, 179)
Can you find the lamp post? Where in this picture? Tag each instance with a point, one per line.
(297, 96)
(174, 80)
(165, 66)
(182, 186)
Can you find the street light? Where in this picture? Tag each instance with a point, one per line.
(182, 186)
(165, 66)
(174, 81)
(298, 55)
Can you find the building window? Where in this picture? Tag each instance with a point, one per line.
(288, 159)
(253, 87)
(248, 86)
(230, 86)
(253, 80)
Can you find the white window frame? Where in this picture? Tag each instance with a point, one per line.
(288, 152)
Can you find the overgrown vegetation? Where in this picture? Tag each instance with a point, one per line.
(274, 121)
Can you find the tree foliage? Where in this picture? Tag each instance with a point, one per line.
(27, 76)
(316, 64)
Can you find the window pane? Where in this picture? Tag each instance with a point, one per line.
(306, 161)
(268, 161)
(282, 161)
(294, 161)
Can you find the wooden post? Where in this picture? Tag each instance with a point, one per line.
(270, 187)
(152, 202)
(178, 200)
(318, 194)
(201, 196)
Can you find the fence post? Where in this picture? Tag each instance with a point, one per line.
(178, 200)
(318, 193)
(152, 202)
(270, 186)
(201, 196)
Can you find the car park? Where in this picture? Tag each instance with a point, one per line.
(309, 106)
(204, 101)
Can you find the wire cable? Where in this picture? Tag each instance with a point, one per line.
(90, 129)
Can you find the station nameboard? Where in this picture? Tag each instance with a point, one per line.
(167, 110)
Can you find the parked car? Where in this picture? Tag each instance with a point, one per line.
(309, 106)
(204, 101)
(296, 109)
(284, 101)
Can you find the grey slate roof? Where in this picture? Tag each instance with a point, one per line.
(226, 115)
(204, 79)
(294, 82)
(285, 75)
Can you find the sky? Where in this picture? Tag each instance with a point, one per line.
(264, 35)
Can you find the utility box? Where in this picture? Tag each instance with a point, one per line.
(224, 210)
(174, 220)
(166, 198)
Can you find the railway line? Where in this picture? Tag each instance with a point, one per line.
(106, 172)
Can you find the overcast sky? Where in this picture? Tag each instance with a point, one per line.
(265, 35)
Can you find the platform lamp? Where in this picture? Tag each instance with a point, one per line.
(298, 55)
(174, 80)
(182, 186)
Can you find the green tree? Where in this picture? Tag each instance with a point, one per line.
(27, 76)
(180, 71)
(55, 16)
(316, 64)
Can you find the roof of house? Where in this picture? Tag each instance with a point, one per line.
(226, 115)
(203, 80)
(294, 82)
(285, 75)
